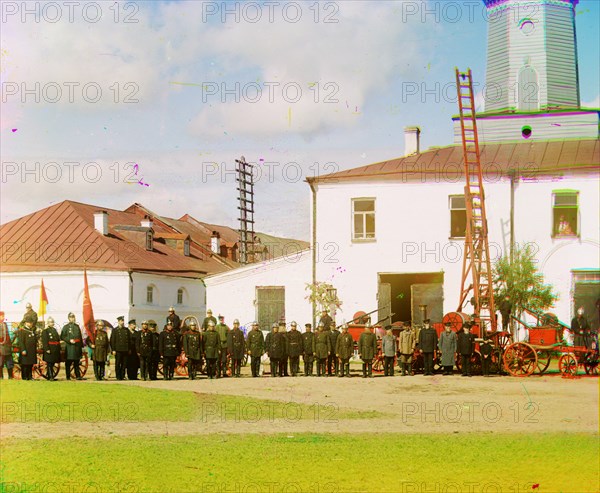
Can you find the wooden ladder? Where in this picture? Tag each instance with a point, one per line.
(477, 267)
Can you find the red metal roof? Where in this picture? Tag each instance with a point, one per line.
(531, 159)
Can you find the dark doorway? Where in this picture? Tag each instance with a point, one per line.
(406, 292)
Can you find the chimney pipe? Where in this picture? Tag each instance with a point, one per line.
(101, 222)
(215, 243)
(412, 140)
(146, 222)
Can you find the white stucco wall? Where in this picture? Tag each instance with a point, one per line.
(233, 293)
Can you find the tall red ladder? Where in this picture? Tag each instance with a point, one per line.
(477, 267)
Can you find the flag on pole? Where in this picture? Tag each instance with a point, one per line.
(88, 312)
(43, 301)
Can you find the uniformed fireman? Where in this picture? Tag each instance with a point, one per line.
(192, 346)
(344, 350)
(51, 349)
(256, 347)
(236, 347)
(100, 350)
(169, 350)
(294, 348)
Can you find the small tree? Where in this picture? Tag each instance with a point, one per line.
(324, 295)
(522, 282)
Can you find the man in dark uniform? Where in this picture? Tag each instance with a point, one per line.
(212, 347)
(486, 348)
(71, 335)
(154, 354)
(274, 364)
(236, 347)
(308, 350)
(6, 357)
(326, 320)
(294, 348)
(169, 350)
(344, 350)
(222, 329)
(505, 308)
(174, 319)
(143, 348)
(209, 318)
(30, 315)
(332, 360)
(51, 348)
(278, 350)
(580, 328)
(192, 346)
(133, 360)
(101, 349)
(119, 343)
(322, 350)
(27, 344)
(427, 345)
(255, 343)
(367, 348)
(283, 361)
(466, 347)
(388, 349)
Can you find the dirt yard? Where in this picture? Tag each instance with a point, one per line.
(418, 404)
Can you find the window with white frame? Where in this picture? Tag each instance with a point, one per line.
(565, 213)
(458, 216)
(363, 219)
(180, 296)
(150, 294)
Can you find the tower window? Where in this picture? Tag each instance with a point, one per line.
(565, 213)
(458, 216)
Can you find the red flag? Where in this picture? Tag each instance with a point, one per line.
(43, 301)
(88, 312)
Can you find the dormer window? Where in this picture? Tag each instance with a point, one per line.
(186, 248)
(149, 238)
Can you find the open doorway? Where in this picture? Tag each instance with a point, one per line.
(403, 293)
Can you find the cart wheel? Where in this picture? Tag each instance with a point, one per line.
(245, 360)
(417, 363)
(378, 364)
(567, 364)
(161, 367)
(228, 365)
(39, 369)
(17, 371)
(437, 364)
(476, 368)
(544, 358)
(501, 339)
(520, 359)
(591, 367)
(181, 365)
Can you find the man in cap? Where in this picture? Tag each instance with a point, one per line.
(101, 349)
(212, 346)
(580, 328)
(322, 350)
(30, 315)
(209, 318)
(447, 348)
(133, 360)
(222, 329)
(154, 354)
(308, 350)
(332, 360)
(294, 348)
(255, 343)
(192, 346)
(283, 361)
(71, 335)
(143, 348)
(344, 350)
(51, 349)
(466, 348)
(388, 348)
(6, 357)
(27, 344)
(486, 348)
(174, 319)
(119, 343)
(506, 308)
(325, 319)
(406, 345)
(367, 349)
(427, 345)
(169, 350)
(236, 347)
(273, 363)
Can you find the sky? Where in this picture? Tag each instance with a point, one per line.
(111, 103)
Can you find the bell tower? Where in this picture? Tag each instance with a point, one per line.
(532, 56)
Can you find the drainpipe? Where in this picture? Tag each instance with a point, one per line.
(130, 289)
(314, 248)
(512, 216)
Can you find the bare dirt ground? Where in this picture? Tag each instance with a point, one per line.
(418, 404)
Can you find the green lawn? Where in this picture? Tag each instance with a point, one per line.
(73, 402)
(314, 463)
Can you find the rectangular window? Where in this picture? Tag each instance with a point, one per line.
(458, 216)
(270, 305)
(180, 296)
(149, 294)
(565, 213)
(363, 215)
